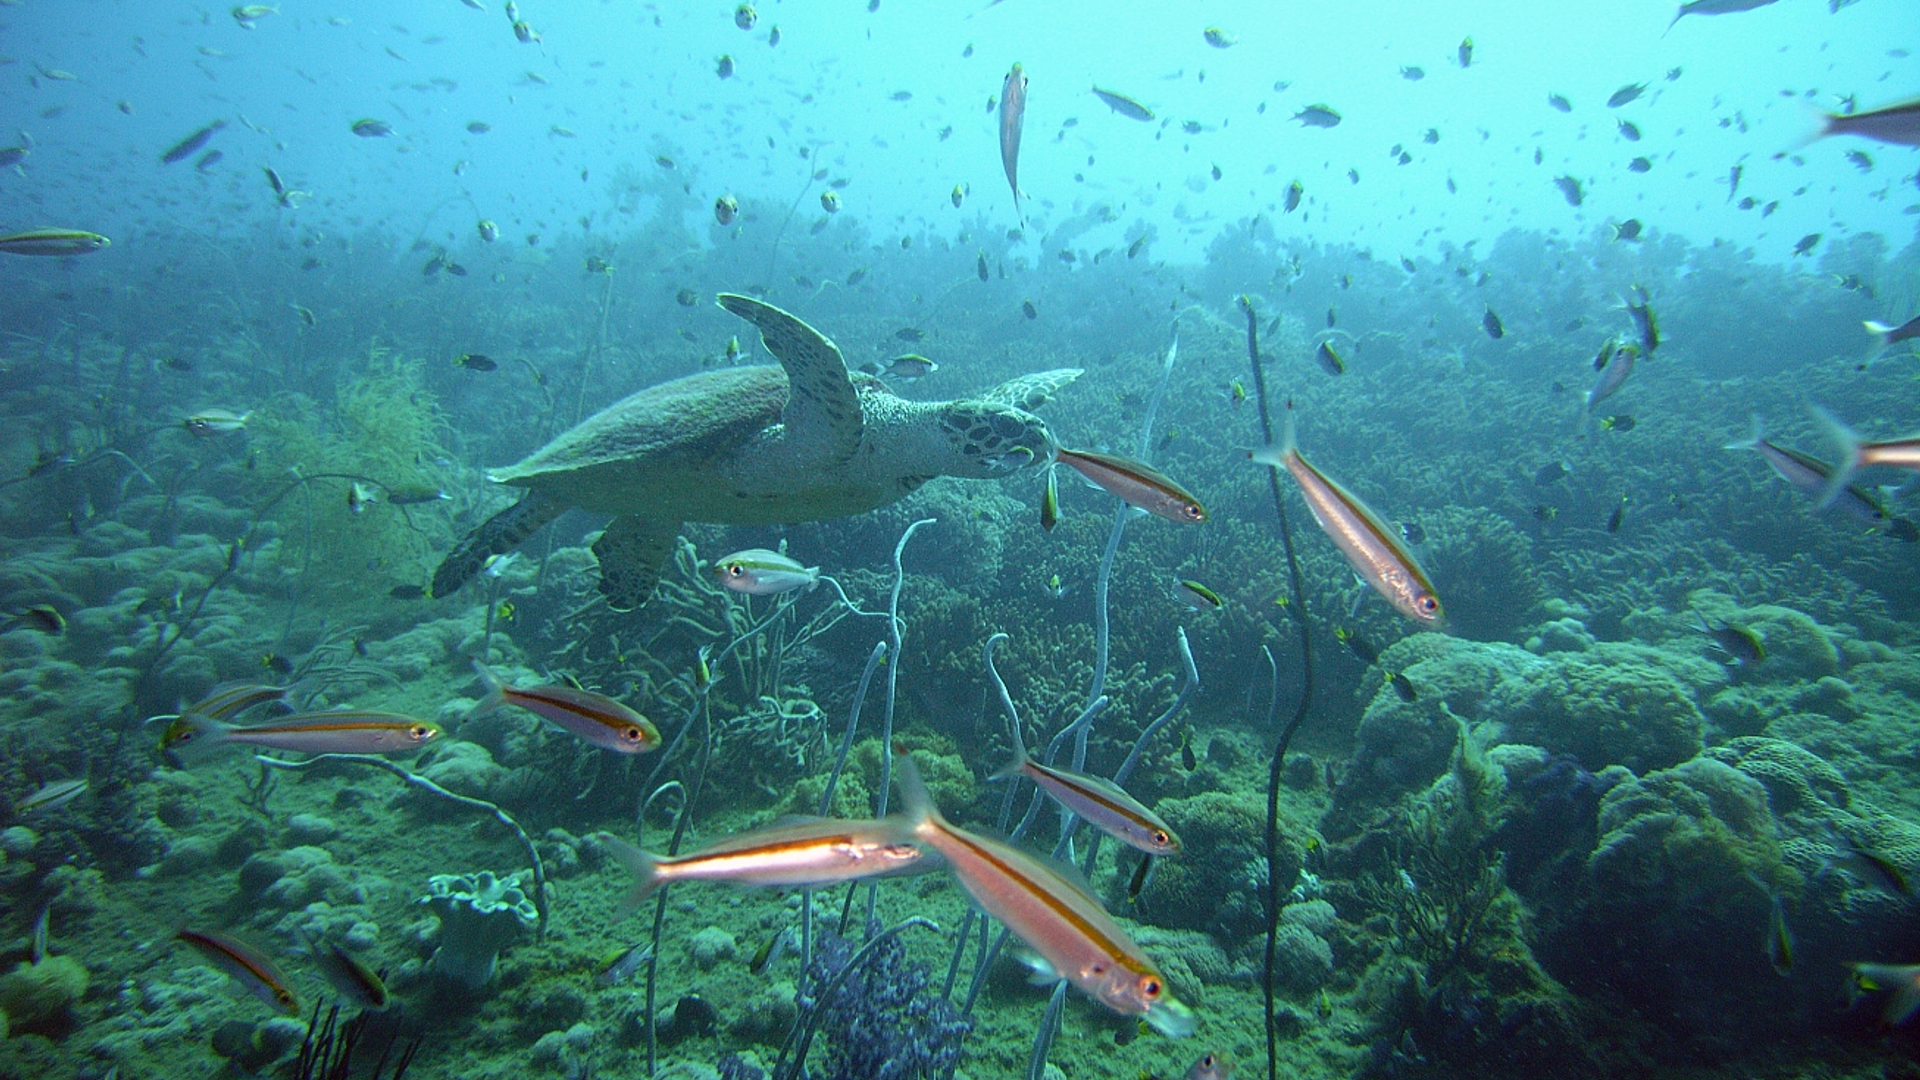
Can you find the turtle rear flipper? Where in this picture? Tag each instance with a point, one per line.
(501, 533)
(632, 553)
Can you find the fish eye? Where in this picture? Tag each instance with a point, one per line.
(1159, 837)
(736, 570)
(420, 731)
(633, 735)
(1427, 605)
(1194, 513)
(1150, 987)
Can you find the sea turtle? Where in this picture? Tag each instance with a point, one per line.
(760, 445)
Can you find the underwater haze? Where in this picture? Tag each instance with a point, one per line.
(881, 540)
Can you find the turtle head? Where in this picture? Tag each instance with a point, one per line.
(985, 439)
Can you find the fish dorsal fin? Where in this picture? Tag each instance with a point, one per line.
(1029, 392)
(822, 418)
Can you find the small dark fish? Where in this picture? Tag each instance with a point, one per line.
(1544, 512)
(1620, 422)
(1413, 74)
(1570, 190)
(372, 129)
(1123, 104)
(1403, 686)
(1628, 230)
(1027, 309)
(1139, 879)
(277, 664)
(686, 297)
(1330, 361)
(855, 277)
(1559, 102)
(1740, 644)
(208, 160)
(1733, 182)
(910, 333)
(1551, 472)
(44, 618)
(1639, 165)
(1320, 116)
(629, 961)
(476, 362)
(1294, 191)
(980, 265)
(1430, 136)
(479, 127)
(1495, 329)
(273, 179)
(1807, 244)
(1627, 93)
(191, 145)
(1359, 646)
(414, 496)
(1605, 354)
(407, 592)
(1133, 249)
(900, 95)
(1187, 759)
(1618, 517)
(1413, 533)
(1466, 52)
(1629, 130)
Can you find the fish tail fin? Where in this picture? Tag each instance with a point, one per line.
(1275, 456)
(921, 813)
(1846, 464)
(1879, 336)
(1677, 16)
(644, 868)
(1820, 125)
(191, 736)
(1013, 767)
(1753, 442)
(496, 692)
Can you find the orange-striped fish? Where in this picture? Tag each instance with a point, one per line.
(1857, 453)
(1372, 547)
(1053, 914)
(354, 981)
(1013, 113)
(1133, 482)
(811, 851)
(596, 718)
(346, 731)
(229, 699)
(246, 966)
(1102, 804)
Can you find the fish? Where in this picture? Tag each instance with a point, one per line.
(1294, 191)
(1618, 517)
(1806, 244)
(1329, 361)
(1134, 483)
(1049, 502)
(210, 422)
(368, 128)
(1413, 74)
(1133, 249)
(273, 180)
(1320, 116)
(759, 572)
(1733, 181)
(407, 592)
(980, 265)
(1430, 136)
(1403, 687)
(625, 965)
(906, 366)
(1639, 165)
(1359, 646)
(1779, 938)
(1622, 422)
(1560, 103)
(745, 16)
(1640, 309)
(359, 497)
(1711, 7)
(12, 155)
(355, 982)
(1628, 230)
(1570, 190)
(595, 718)
(830, 202)
(686, 298)
(1370, 546)
(1629, 130)
(773, 37)
(1198, 596)
(248, 14)
(230, 699)
(1237, 393)
(1627, 93)
(1212, 1065)
(1550, 473)
(191, 145)
(1867, 866)
(52, 242)
(910, 333)
(1613, 377)
(958, 195)
(1413, 533)
(1027, 309)
(1053, 914)
(1013, 112)
(476, 362)
(1123, 104)
(1605, 354)
(276, 663)
(795, 853)
(1465, 53)
(1492, 324)
(52, 796)
(1544, 513)
(1218, 38)
(1857, 453)
(1813, 477)
(1860, 160)
(1902, 979)
(246, 966)
(1741, 645)
(346, 731)
(1898, 123)
(1100, 803)
(415, 496)
(479, 127)
(44, 618)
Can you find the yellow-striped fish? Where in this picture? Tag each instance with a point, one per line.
(346, 731)
(52, 796)
(245, 965)
(1049, 503)
(1102, 803)
(354, 981)
(1134, 482)
(1013, 113)
(596, 718)
(813, 851)
(1371, 546)
(229, 699)
(52, 242)
(1055, 916)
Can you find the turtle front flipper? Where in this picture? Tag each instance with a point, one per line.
(632, 553)
(823, 419)
(1029, 392)
(501, 533)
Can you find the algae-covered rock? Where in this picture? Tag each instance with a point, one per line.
(1216, 883)
(35, 996)
(1797, 780)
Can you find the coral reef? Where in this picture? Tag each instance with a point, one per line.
(480, 915)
